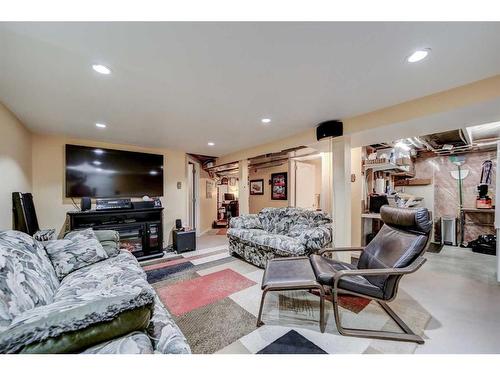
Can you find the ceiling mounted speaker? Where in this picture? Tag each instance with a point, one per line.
(332, 128)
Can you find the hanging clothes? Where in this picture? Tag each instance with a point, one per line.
(486, 172)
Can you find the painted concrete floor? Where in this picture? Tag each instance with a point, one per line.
(458, 288)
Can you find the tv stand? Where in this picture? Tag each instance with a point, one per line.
(140, 229)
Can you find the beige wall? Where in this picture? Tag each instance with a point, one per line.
(48, 180)
(258, 202)
(208, 206)
(15, 163)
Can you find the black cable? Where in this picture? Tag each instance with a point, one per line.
(75, 205)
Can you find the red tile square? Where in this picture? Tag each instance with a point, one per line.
(351, 303)
(188, 295)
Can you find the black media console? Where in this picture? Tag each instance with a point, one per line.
(141, 229)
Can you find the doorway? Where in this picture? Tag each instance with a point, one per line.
(307, 182)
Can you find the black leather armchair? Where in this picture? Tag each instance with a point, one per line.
(395, 251)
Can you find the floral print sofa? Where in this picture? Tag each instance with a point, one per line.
(278, 232)
(104, 307)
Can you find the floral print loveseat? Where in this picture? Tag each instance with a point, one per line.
(279, 232)
(106, 306)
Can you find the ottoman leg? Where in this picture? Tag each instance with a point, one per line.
(259, 318)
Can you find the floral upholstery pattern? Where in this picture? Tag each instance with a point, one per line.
(165, 334)
(251, 253)
(45, 235)
(279, 232)
(27, 278)
(35, 306)
(133, 343)
(77, 250)
(250, 221)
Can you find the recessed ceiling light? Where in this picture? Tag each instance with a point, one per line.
(211, 144)
(102, 126)
(96, 162)
(266, 120)
(154, 173)
(101, 69)
(418, 55)
(98, 151)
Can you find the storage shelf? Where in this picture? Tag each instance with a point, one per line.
(378, 167)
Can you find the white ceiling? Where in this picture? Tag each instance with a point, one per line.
(180, 85)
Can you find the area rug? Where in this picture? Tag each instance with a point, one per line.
(214, 298)
(292, 342)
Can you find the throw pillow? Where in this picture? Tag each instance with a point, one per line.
(78, 249)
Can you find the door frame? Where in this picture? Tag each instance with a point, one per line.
(196, 193)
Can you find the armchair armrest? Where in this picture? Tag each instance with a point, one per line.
(344, 248)
(379, 271)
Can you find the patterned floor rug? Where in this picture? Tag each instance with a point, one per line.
(215, 297)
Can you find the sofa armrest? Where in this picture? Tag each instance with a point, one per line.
(165, 335)
(313, 238)
(110, 241)
(248, 221)
(69, 326)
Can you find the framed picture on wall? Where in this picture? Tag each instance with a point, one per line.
(279, 186)
(210, 189)
(256, 187)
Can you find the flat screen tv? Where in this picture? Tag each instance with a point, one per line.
(105, 173)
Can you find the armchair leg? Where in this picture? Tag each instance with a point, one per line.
(408, 334)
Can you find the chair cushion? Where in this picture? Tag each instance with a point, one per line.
(77, 250)
(288, 271)
(101, 278)
(325, 269)
(410, 219)
(391, 248)
(27, 278)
